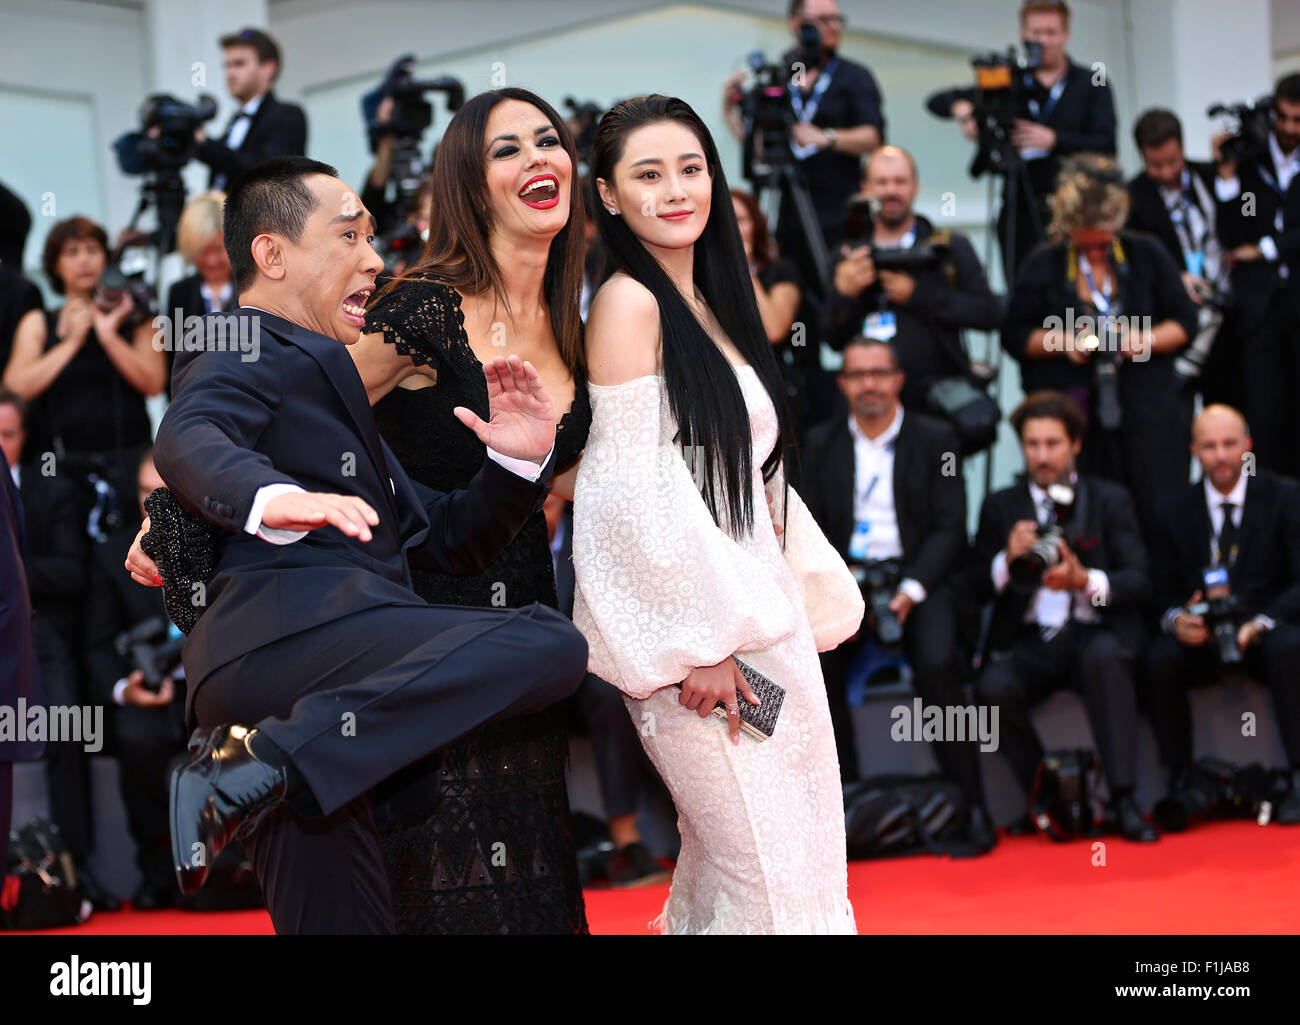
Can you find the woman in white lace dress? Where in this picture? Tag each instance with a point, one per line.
(677, 555)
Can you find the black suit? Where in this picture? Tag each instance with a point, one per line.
(57, 553)
(322, 643)
(277, 130)
(1020, 667)
(146, 739)
(1267, 305)
(1265, 579)
(930, 508)
(185, 300)
(1148, 211)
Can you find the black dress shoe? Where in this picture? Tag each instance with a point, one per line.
(154, 897)
(979, 829)
(633, 865)
(1287, 812)
(221, 795)
(1132, 824)
(93, 890)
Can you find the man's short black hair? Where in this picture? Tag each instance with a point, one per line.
(1050, 405)
(270, 197)
(1288, 88)
(866, 341)
(263, 45)
(1156, 127)
(12, 398)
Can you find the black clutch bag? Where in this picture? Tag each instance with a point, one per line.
(184, 548)
(759, 721)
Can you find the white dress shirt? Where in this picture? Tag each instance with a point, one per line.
(239, 130)
(873, 496)
(216, 302)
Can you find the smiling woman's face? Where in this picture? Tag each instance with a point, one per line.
(662, 185)
(528, 173)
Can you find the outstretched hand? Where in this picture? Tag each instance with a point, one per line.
(521, 422)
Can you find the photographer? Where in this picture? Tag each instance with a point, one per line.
(1248, 525)
(1099, 315)
(883, 485)
(1065, 109)
(147, 725)
(262, 127)
(1260, 229)
(1174, 200)
(837, 111)
(1060, 554)
(86, 368)
(921, 313)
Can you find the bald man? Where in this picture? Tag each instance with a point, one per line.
(1246, 521)
(923, 313)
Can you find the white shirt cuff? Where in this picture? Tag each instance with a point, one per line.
(913, 589)
(1227, 189)
(1001, 575)
(1266, 622)
(275, 535)
(524, 468)
(1269, 248)
(1167, 620)
(119, 689)
(1098, 589)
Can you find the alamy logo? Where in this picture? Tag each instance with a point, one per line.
(81, 724)
(102, 979)
(958, 723)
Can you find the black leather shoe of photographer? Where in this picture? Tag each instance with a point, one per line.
(221, 795)
(1132, 824)
(1287, 812)
(979, 829)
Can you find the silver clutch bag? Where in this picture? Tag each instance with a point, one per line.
(759, 721)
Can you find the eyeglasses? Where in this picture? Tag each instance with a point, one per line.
(832, 20)
(855, 376)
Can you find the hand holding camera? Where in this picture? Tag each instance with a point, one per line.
(75, 321)
(856, 272)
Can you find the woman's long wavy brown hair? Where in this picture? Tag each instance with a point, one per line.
(458, 253)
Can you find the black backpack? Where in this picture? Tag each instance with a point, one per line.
(40, 883)
(894, 815)
(1066, 801)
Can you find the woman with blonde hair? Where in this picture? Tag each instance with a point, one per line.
(1098, 312)
(201, 241)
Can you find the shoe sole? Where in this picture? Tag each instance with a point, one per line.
(189, 878)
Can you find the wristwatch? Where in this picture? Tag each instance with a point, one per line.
(830, 138)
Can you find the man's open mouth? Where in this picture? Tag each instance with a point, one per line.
(541, 192)
(355, 305)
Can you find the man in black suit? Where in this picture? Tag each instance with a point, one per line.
(1248, 524)
(1076, 624)
(317, 667)
(886, 484)
(262, 127)
(1260, 230)
(924, 313)
(1174, 200)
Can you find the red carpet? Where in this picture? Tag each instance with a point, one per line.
(1229, 877)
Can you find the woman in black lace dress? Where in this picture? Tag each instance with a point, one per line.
(478, 837)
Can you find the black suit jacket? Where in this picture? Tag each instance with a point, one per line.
(1266, 575)
(58, 550)
(1254, 282)
(298, 414)
(1147, 210)
(19, 675)
(1104, 535)
(278, 130)
(930, 505)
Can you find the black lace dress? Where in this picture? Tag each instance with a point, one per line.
(477, 837)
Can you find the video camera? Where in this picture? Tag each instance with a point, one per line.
(173, 146)
(1027, 570)
(152, 649)
(766, 105)
(1221, 613)
(1254, 122)
(878, 581)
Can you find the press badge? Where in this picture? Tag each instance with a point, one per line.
(858, 542)
(882, 325)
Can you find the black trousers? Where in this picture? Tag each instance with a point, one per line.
(1172, 667)
(622, 768)
(148, 740)
(1269, 336)
(1088, 659)
(353, 701)
(930, 643)
(67, 764)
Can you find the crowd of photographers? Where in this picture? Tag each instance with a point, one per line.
(1103, 569)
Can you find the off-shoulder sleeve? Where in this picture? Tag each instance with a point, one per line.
(830, 595)
(660, 589)
(420, 317)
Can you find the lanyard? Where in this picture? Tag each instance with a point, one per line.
(1042, 115)
(1100, 299)
(807, 111)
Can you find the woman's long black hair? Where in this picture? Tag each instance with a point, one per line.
(703, 393)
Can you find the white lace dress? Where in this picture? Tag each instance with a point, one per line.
(661, 590)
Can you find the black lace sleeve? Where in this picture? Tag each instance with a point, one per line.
(422, 317)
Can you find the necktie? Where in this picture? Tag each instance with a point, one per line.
(1227, 535)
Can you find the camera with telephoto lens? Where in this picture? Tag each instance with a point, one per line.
(766, 107)
(1027, 570)
(1105, 346)
(1254, 123)
(858, 225)
(878, 581)
(173, 146)
(152, 649)
(1221, 614)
